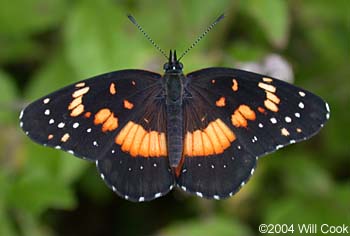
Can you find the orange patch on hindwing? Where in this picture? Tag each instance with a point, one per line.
(213, 140)
(241, 115)
(107, 119)
(137, 141)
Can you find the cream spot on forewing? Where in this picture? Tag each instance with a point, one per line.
(284, 132)
(267, 87)
(79, 85)
(268, 80)
(80, 92)
(65, 137)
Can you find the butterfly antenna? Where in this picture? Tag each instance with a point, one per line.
(133, 20)
(202, 35)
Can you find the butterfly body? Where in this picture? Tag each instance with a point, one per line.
(174, 91)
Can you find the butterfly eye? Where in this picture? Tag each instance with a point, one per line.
(166, 66)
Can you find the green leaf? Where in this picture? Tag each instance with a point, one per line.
(20, 17)
(7, 227)
(273, 18)
(54, 75)
(209, 227)
(14, 49)
(96, 43)
(304, 176)
(8, 106)
(39, 184)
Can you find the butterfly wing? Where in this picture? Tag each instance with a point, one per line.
(232, 117)
(115, 119)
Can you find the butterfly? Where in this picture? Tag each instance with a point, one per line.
(148, 133)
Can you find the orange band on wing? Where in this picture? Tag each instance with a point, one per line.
(214, 139)
(136, 141)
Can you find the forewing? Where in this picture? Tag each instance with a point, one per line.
(107, 119)
(232, 117)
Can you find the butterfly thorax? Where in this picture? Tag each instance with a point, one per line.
(174, 95)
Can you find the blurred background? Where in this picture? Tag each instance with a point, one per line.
(47, 44)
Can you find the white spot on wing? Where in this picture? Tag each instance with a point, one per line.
(21, 115)
(301, 93)
(47, 112)
(199, 194)
(141, 199)
(75, 125)
(273, 120)
(61, 125)
(157, 195)
(288, 119)
(301, 105)
(297, 115)
(46, 100)
(88, 130)
(51, 121)
(261, 125)
(216, 197)
(252, 171)
(327, 107)
(21, 124)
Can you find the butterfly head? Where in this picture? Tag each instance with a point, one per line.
(173, 65)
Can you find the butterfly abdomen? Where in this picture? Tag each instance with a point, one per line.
(174, 91)
(175, 133)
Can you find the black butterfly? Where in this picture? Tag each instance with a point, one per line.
(203, 131)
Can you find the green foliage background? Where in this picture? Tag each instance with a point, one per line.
(46, 44)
